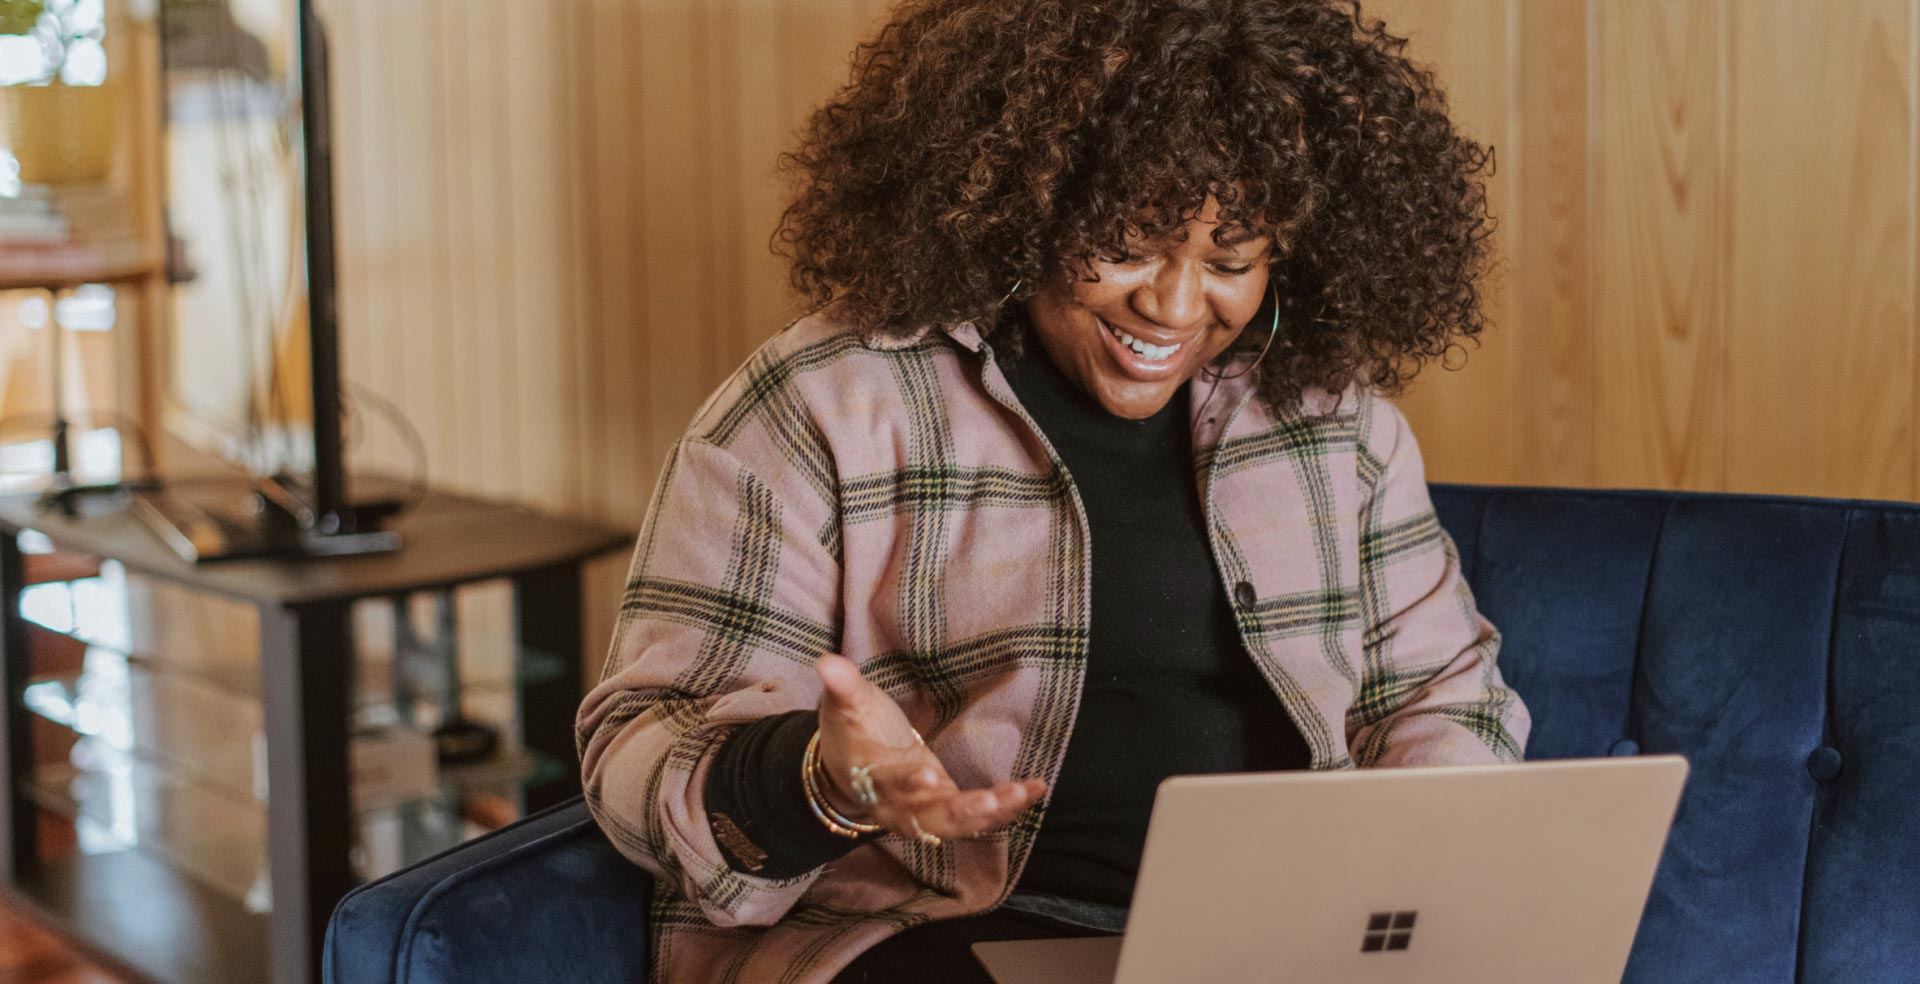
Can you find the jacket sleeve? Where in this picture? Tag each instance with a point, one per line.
(730, 600)
(1431, 692)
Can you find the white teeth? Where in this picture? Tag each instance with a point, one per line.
(1152, 353)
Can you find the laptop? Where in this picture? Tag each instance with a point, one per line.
(1446, 875)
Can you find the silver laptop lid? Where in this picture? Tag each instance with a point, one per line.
(1450, 875)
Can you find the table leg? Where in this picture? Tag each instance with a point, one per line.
(306, 657)
(17, 842)
(547, 606)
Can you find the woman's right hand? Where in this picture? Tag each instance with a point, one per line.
(861, 725)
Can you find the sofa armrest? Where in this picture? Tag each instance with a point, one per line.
(543, 897)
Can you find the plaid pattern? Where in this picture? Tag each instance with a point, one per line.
(891, 501)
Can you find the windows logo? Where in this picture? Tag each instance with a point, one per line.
(1388, 931)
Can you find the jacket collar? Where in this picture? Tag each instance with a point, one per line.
(964, 333)
(1232, 390)
(1216, 399)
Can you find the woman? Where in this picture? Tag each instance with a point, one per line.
(1081, 469)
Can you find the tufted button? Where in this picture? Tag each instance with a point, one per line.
(1244, 595)
(1823, 764)
(1624, 747)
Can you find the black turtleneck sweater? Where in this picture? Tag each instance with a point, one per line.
(1170, 690)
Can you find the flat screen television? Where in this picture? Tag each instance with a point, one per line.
(251, 378)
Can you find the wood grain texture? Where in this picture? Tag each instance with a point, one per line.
(1711, 248)
(1820, 381)
(1660, 223)
(1545, 241)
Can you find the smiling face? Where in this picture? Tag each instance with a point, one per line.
(1155, 317)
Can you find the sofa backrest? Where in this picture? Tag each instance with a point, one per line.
(1775, 642)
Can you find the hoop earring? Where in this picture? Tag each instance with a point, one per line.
(1272, 333)
(1010, 292)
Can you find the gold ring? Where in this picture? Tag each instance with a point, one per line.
(863, 785)
(931, 840)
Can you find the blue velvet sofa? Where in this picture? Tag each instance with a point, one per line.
(1775, 642)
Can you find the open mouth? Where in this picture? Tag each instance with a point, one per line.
(1147, 352)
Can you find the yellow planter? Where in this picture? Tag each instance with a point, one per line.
(61, 133)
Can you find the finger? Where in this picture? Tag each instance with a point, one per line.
(923, 790)
(966, 814)
(973, 812)
(854, 708)
(910, 780)
(843, 688)
(986, 809)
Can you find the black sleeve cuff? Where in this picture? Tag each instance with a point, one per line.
(758, 807)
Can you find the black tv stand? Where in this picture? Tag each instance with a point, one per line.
(208, 521)
(67, 496)
(146, 906)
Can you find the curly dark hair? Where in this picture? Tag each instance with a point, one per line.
(980, 143)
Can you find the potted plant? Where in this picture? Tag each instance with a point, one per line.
(59, 132)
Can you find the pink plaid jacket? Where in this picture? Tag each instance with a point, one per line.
(890, 500)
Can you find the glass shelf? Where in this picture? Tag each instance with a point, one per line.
(180, 720)
(217, 838)
(217, 639)
(123, 800)
(147, 724)
(144, 699)
(205, 736)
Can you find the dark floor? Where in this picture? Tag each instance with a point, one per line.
(30, 954)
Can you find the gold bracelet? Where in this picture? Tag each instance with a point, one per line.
(823, 810)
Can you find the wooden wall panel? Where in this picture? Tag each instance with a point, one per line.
(1546, 251)
(1659, 221)
(1711, 245)
(675, 267)
(609, 254)
(421, 313)
(1821, 368)
(453, 133)
(539, 139)
(760, 130)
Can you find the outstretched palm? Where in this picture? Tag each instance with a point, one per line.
(861, 726)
